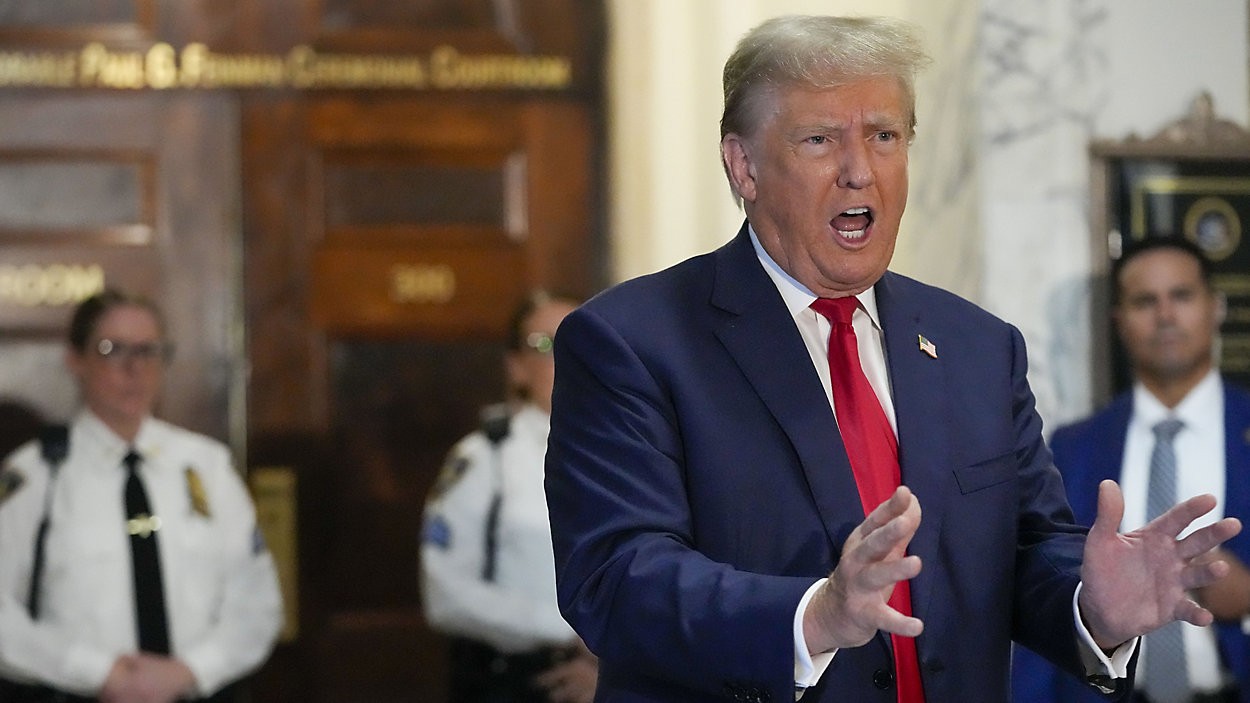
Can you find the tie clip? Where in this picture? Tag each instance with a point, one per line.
(143, 525)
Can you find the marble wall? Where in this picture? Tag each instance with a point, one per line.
(1054, 75)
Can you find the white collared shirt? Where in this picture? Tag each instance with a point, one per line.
(1199, 469)
(220, 584)
(814, 328)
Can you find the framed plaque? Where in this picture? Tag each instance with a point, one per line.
(1191, 180)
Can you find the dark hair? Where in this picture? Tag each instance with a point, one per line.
(87, 315)
(532, 301)
(1145, 245)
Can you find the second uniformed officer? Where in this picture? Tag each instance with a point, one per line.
(487, 564)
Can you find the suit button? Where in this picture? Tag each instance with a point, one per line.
(882, 679)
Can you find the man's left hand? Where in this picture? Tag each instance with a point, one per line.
(1137, 582)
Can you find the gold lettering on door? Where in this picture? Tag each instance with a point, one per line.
(34, 285)
(422, 283)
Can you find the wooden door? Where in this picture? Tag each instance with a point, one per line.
(398, 236)
(337, 259)
(134, 191)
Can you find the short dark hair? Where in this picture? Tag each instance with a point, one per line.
(532, 301)
(1145, 245)
(87, 315)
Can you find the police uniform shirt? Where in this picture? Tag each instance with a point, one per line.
(517, 612)
(221, 590)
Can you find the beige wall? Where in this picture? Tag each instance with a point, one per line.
(667, 194)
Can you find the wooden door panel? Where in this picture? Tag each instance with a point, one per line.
(412, 228)
(138, 192)
(371, 241)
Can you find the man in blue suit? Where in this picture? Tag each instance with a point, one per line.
(713, 537)
(1167, 315)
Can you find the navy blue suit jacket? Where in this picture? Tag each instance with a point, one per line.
(697, 486)
(1093, 450)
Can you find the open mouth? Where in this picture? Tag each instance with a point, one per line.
(853, 224)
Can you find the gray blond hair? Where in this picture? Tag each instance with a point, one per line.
(817, 52)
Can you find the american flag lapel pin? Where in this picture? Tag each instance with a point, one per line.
(926, 346)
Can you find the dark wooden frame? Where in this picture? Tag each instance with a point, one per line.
(1198, 137)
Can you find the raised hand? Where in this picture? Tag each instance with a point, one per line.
(1139, 581)
(852, 607)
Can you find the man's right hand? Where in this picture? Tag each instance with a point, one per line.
(852, 606)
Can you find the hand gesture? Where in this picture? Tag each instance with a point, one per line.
(1137, 582)
(852, 605)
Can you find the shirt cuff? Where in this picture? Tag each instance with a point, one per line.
(1098, 665)
(807, 668)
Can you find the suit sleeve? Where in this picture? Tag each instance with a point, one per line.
(630, 579)
(1050, 552)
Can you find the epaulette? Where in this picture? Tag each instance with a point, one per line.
(10, 481)
(451, 472)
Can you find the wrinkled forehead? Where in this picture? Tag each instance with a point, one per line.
(768, 99)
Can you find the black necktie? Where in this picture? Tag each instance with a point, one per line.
(146, 560)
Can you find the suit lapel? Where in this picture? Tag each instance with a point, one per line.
(760, 335)
(1109, 455)
(919, 386)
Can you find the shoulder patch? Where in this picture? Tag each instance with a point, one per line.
(258, 542)
(10, 481)
(437, 532)
(451, 472)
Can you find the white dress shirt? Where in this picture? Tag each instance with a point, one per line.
(221, 590)
(1199, 469)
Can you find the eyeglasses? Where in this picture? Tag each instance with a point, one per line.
(121, 353)
(540, 342)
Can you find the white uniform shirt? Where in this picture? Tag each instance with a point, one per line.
(517, 612)
(221, 589)
(1199, 469)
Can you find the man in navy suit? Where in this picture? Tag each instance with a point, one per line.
(1167, 315)
(710, 537)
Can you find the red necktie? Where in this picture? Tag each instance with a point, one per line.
(873, 452)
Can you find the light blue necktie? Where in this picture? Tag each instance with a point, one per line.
(1167, 674)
